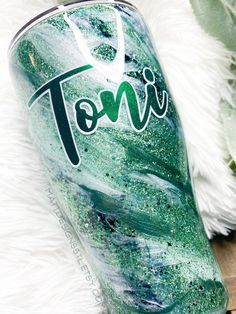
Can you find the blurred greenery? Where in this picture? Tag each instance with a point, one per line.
(218, 18)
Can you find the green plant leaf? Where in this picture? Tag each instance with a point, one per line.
(218, 18)
(228, 114)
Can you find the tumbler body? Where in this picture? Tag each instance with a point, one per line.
(101, 115)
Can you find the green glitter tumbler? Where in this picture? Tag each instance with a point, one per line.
(102, 117)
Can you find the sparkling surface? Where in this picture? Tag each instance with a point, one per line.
(131, 200)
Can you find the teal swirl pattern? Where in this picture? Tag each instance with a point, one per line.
(130, 200)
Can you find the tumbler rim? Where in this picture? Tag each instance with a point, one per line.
(56, 9)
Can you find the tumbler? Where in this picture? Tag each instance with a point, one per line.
(102, 118)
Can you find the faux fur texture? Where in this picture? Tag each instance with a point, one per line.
(41, 271)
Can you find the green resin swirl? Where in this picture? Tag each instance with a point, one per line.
(130, 201)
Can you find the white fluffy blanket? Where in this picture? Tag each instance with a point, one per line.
(40, 272)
